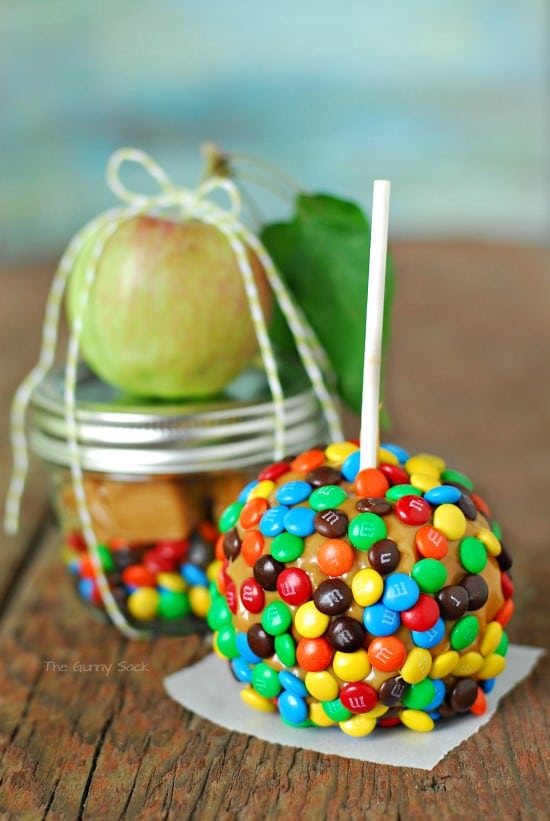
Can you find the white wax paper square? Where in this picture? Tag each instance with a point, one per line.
(208, 689)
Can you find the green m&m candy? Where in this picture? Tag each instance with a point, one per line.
(230, 516)
(219, 614)
(502, 648)
(285, 648)
(105, 558)
(173, 605)
(449, 476)
(393, 494)
(464, 632)
(226, 640)
(276, 618)
(473, 554)
(266, 681)
(429, 574)
(419, 695)
(336, 710)
(287, 547)
(366, 529)
(327, 497)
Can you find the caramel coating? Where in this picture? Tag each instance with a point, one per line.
(404, 535)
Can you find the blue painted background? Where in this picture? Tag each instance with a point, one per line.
(446, 99)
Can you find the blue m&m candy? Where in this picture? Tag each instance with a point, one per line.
(273, 521)
(401, 454)
(439, 695)
(292, 493)
(293, 684)
(350, 468)
(194, 575)
(400, 592)
(443, 495)
(241, 670)
(86, 589)
(380, 620)
(243, 495)
(299, 521)
(429, 638)
(244, 649)
(292, 708)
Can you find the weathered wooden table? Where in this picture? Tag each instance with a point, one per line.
(468, 378)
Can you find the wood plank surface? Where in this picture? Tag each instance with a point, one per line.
(467, 378)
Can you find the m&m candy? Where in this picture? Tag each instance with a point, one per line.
(164, 583)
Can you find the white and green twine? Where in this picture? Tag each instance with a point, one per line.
(190, 204)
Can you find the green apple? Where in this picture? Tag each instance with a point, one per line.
(167, 315)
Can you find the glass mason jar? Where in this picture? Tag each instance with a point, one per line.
(156, 477)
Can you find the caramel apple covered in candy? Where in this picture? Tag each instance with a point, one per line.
(362, 597)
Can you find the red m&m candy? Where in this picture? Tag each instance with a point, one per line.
(252, 595)
(294, 586)
(413, 510)
(423, 615)
(358, 697)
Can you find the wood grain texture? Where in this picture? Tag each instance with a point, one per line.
(466, 378)
(21, 309)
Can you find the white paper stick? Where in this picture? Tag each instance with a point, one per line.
(373, 324)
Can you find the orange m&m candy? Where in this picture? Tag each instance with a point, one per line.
(314, 655)
(481, 504)
(86, 568)
(138, 576)
(309, 460)
(480, 704)
(371, 482)
(253, 511)
(431, 542)
(218, 550)
(208, 531)
(252, 547)
(505, 613)
(387, 653)
(335, 557)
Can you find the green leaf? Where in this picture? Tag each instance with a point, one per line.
(322, 254)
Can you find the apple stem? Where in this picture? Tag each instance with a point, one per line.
(216, 162)
(219, 163)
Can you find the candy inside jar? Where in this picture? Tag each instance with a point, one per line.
(155, 480)
(156, 541)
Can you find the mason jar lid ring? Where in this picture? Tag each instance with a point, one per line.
(121, 434)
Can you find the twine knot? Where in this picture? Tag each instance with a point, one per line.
(194, 203)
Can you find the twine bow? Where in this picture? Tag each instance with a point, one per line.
(195, 204)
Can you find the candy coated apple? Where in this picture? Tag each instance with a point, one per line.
(167, 316)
